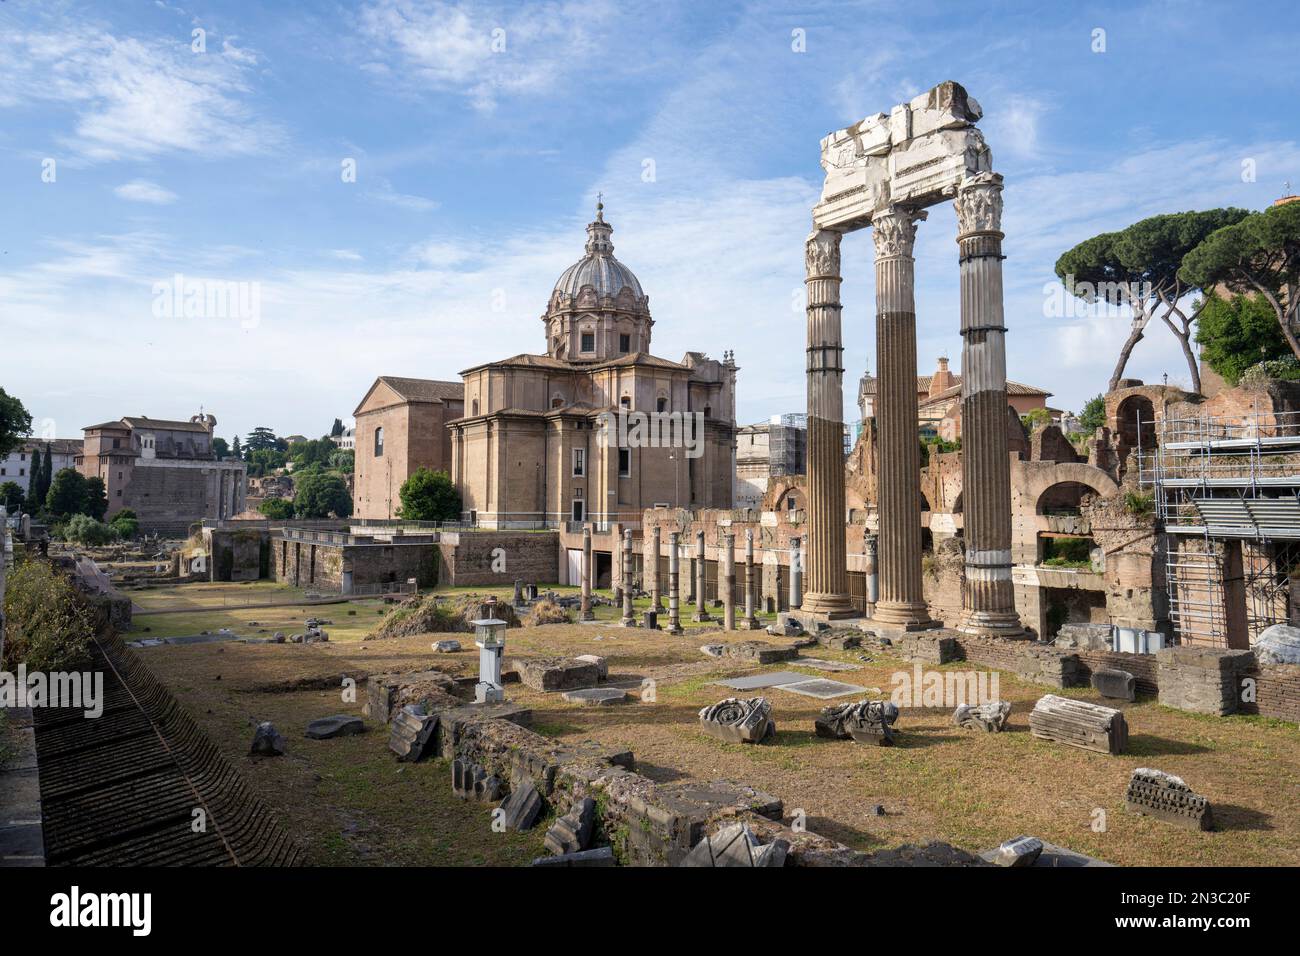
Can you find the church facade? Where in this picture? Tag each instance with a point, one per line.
(598, 428)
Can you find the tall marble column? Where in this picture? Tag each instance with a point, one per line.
(701, 608)
(750, 622)
(629, 619)
(652, 569)
(728, 582)
(826, 590)
(902, 601)
(674, 595)
(990, 599)
(586, 613)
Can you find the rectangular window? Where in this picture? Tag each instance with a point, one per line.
(624, 462)
(589, 341)
(578, 509)
(625, 343)
(579, 462)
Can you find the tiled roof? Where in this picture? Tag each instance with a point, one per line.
(868, 387)
(425, 389)
(145, 422)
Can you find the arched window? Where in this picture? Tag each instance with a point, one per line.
(473, 407)
(379, 441)
(661, 404)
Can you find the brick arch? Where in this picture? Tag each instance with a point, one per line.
(1066, 473)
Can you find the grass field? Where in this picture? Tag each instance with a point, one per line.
(348, 801)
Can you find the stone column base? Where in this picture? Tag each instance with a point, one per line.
(587, 616)
(674, 629)
(701, 617)
(992, 624)
(828, 606)
(911, 617)
(627, 622)
(750, 624)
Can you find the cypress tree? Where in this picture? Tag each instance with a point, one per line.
(34, 497)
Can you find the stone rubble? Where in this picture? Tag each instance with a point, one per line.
(739, 720)
(990, 717)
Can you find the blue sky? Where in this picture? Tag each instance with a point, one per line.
(477, 169)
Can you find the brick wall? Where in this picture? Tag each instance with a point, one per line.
(481, 558)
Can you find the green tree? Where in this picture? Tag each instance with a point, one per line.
(236, 452)
(429, 496)
(263, 461)
(96, 498)
(1093, 415)
(260, 438)
(12, 496)
(343, 460)
(337, 429)
(35, 483)
(1238, 331)
(1260, 255)
(15, 423)
(277, 509)
(320, 495)
(47, 472)
(1035, 417)
(316, 451)
(1139, 267)
(220, 449)
(68, 494)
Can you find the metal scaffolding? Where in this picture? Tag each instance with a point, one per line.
(1227, 493)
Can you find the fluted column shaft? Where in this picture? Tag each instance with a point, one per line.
(902, 600)
(989, 599)
(629, 619)
(674, 568)
(826, 588)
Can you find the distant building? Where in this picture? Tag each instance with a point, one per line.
(541, 439)
(17, 465)
(938, 399)
(165, 471)
(346, 441)
(768, 450)
(401, 428)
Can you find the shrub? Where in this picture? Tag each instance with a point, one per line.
(429, 496)
(86, 531)
(125, 524)
(277, 509)
(1138, 504)
(48, 625)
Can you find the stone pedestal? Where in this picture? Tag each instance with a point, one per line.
(902, 600)
(827, 586)
(986, 469)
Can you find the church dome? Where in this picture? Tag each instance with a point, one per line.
(598, 268)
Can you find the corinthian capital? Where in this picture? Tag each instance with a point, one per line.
(822, 254)
(979, 204)
(894, 230)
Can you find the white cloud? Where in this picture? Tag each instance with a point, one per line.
(482, 50)
(136, 97)
(141, 190)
